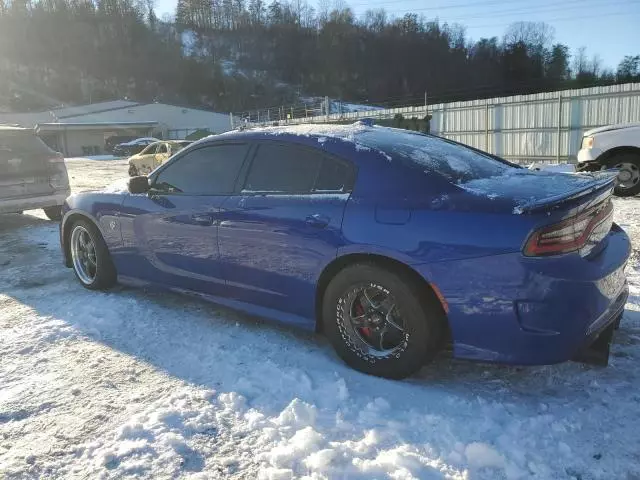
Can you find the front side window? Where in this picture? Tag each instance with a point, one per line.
(162, 148)
(210, 170)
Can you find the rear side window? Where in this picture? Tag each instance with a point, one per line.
(290, 169)
(211, 170)
(433, 155)
(334, 176)
(282, 168)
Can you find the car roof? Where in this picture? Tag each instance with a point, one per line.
(317, 130)
(143, 138)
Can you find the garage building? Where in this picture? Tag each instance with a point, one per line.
(83, 130)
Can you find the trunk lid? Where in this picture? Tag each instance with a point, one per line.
(530, 191)
(567, 212)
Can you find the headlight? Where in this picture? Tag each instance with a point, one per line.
(587, 142)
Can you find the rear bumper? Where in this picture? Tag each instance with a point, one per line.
(31, 203)
(517, 310)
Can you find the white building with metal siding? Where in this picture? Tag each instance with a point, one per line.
(85, 128)
(171, 119)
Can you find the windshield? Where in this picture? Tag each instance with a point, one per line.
(433, 155)
(150, 149)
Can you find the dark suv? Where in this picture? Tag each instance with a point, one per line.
(31, 174)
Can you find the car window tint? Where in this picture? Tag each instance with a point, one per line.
(209, 170)
(431, 154)
(334, 176)
(162, 148)
(283, 168)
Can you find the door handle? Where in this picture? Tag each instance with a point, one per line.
(317, 220)
(202, 219)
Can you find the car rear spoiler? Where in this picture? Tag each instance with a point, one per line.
(602, 182)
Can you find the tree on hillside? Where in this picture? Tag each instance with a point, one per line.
(249, 54)
(629, 69)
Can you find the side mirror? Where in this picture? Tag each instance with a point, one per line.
(138, 184)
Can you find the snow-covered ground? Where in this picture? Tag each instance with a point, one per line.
(92, 157)
(136, 384)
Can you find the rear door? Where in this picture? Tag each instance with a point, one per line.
(283, 226)
(25, 165)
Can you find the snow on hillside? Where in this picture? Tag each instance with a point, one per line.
(337, 106)
(140, 384)
(342, 107)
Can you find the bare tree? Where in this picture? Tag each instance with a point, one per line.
(537, 34)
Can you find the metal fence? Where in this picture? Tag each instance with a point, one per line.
(543, 127)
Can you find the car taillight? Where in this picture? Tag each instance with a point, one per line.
(569, 235)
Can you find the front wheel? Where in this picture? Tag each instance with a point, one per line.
(381, 323)
(133, 171)
(53, 213)
(90, 257)
(628, 183)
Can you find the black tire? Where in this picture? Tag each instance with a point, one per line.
(53, 213)
(105, 276)
(621, 158)
(424, 321)
(133, 171)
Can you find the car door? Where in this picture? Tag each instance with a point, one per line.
(170, 234)
(284, 226)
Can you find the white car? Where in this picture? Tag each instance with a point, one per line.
(613, 146)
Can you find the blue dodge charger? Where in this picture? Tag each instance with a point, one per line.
(394, 244)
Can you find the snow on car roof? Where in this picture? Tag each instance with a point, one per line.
(322, 130)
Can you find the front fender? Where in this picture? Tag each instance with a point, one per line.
(103, 210)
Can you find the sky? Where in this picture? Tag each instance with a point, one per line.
(607, 28)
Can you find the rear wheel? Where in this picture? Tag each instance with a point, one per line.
(53, 213)
(629, 176)
(381, 323)
(90, 257)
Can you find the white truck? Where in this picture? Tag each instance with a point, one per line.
(613, 146)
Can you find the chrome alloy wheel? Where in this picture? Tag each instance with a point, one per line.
(83, 255)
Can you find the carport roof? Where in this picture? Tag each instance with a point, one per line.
(55, 127)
